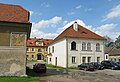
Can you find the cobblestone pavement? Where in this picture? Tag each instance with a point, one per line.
(60, 75)
(82, 76)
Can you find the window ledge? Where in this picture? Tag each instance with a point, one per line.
(87, 50)
(74, 50)
(98, 51)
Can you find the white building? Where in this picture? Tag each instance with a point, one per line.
(76, 45)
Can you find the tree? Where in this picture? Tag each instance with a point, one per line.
(117, 42)
(109, 42)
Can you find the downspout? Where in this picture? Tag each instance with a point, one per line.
(66, 52)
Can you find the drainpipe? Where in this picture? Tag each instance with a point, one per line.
(66, 52)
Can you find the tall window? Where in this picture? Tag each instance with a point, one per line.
(83, 46)
(27, 56)
(32, 56)
(52, 49)
(73, 59)
(46, 49)
(32, 49)
(50, 59)
(98, 59)
(73, 45)
(97, 47)
(89, 59)
(83, 59)
(27, 49)
(39, 50)
(49, 50)
(88, 46)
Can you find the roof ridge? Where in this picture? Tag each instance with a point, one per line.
(70, 32)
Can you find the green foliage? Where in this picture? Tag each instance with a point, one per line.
(53, 66)
(117, 42)
(111, 43)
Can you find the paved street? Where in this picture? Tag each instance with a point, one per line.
(82, 76)
(60, 75)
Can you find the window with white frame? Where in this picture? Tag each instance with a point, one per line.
(88, 46)
(89, 59)
(32, 56)
(83, 46)
(98, 59)
(49, 50)
(83, 59)
(73, 59)
(97, 47)
(32, 49)
(52, 49)
(39, 50)
(73, 45)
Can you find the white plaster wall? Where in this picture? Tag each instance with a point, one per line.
(59, 52)
(79, 53)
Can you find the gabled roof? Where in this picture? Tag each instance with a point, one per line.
(115, 52)
(107, 50)
(81, 33)
(13, 13)
(32, 42)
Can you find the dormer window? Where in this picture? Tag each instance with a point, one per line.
(39, 43)
(30, 42)
(75, 26)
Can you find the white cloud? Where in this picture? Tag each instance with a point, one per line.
(102, 30)
(36, 32)
(78, 7)
(45, 4)
(80, 22)
(64, 22)
(114, 12)
(88, 9)
(106, 30)
(47, 23)
(71, 13)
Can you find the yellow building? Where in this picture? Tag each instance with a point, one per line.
(37, 48)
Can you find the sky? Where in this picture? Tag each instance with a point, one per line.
(50, 17)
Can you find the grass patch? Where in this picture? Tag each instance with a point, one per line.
(19, 79)
(53, 66)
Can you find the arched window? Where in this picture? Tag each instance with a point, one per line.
(73, 45)
(97, 47)
(88, 46)
(83, 46)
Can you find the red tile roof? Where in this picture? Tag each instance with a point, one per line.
(32, 42)
(81, 33)
(13, 13)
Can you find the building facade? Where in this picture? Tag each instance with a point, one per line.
(76, 45)
(114, 55)
(14, 31)
(37, 48)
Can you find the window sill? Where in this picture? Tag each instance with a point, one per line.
(87, 50)
(73, 63)
(98, 51)
(74, 50)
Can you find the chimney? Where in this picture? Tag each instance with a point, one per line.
(75, 26)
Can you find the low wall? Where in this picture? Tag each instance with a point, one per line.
(12, 61)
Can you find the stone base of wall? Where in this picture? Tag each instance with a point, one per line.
(12, 61)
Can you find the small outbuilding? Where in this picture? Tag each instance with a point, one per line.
(15, 29)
